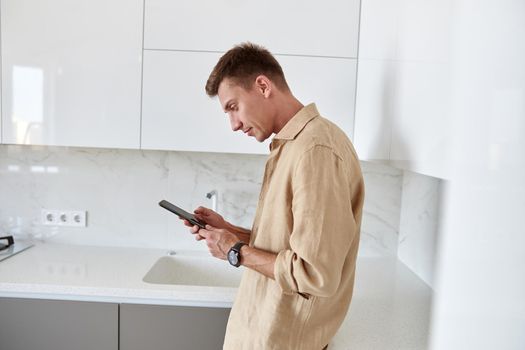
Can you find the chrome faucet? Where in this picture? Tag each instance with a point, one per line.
(214, 196)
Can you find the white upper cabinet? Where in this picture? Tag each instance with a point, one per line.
(328, 82)
(298, 27)
(71, 72)
(404, 104)
(0, 101)
(176, 112)
(178, 115)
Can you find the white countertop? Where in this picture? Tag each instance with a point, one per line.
(390, 308)
(103, 274)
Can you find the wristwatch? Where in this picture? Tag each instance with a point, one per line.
(234, 254)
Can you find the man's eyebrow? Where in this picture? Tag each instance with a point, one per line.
(226, 105)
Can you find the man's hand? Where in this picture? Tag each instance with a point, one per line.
(217, 221)
(209, 217)
(219, 240)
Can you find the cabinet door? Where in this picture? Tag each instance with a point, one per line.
(299, 27)
(178, 115)
(374, 110)
(36, 324)
(421, 124)
(71, 72)
(1, 133)
(176, 112)
(404, 100)
(171, 327)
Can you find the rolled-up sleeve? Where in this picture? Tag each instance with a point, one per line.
(323, 225)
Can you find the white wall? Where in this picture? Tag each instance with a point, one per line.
(480, 301)
(445, 81)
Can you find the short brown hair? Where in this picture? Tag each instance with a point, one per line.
(243, 63)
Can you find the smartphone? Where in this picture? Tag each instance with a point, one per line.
(181, 213)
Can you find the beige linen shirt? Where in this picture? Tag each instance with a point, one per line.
(309, 213)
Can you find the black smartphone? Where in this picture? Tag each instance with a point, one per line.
(181, 213)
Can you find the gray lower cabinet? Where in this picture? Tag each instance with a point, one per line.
(37, 324)
(41, 324)
(171, 327)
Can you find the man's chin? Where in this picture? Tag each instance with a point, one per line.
(260, 139)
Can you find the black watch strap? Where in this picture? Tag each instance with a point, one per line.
(234, 254)
(237, 246)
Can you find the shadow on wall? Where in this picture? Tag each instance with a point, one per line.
(395, 115)
(388, 117)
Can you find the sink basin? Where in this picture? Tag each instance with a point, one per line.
(193, 270)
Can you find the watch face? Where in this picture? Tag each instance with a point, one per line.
(232, 257)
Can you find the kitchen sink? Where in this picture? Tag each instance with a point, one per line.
(193, 270)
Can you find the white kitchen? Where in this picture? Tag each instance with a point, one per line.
(104, 114)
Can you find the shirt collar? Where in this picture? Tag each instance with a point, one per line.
(297, 123)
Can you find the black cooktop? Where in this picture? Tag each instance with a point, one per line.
(8, 239)
(9, 248)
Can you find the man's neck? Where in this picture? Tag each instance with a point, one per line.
(289, 107)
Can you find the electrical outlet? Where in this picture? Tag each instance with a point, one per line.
(72, 218)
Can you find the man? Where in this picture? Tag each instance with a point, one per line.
(301, 252)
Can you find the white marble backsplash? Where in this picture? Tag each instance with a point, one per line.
(419, 224)
(380, 225)
(120, 190)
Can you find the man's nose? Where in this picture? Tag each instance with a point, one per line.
(235, 123)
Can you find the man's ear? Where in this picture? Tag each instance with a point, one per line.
(263, 85)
